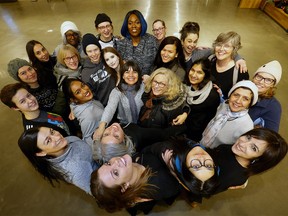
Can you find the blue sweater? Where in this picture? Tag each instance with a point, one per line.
(269, 110)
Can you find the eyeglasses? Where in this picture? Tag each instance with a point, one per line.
(196, 164)
(268, 81)
(68, 59)
(160, 84)
(158, 30)
(224, 46)
(104, 27)
(71, 35)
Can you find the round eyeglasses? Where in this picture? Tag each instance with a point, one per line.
(196, 164)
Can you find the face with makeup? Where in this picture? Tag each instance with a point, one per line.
(249, 148)
(112, 60)
(41, 53)
(51, 142)
(200, 163)
(118, 171)
(27, 74)
(190, 43)
(82, 93)
(113, 134)
(240, 99)
(24, 101)
(134, 26)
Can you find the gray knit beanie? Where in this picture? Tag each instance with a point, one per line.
(14, 65)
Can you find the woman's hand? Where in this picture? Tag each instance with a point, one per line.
(99, 131)
(239, 186)
(166, 156)
(242, 64)
(71, 116)
(145, 77)
(180, 119)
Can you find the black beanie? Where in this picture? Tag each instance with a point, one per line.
(102, 17)
(89, 39)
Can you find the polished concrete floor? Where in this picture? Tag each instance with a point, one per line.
(24, 192)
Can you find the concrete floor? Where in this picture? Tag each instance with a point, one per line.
(24, 192)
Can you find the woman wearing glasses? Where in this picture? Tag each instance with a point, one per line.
(223, 65)
(164, 101)
(159, 30)
(68, 64)
(267, 111)
(204, 172)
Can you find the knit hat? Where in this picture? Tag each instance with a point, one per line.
(102, 17)
(66, 26)
(248, 84)
(14, 65)
(89, 39)
(274, 68)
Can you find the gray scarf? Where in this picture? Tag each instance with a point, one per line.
(218, 122)
(202, 93)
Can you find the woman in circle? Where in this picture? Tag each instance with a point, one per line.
(68, 64)
(267, 111)
(224, 69)
(84, 108)
(170, 55)
(137, 45)
(232, 118)
(254, 152)
(164, 101)
(112, 62)
(125, 98)
(43, 62)
(136, 183)
(68, 159)
(202, 98)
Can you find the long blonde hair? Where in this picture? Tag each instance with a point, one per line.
(173, 86)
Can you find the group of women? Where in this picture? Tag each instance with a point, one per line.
(158, 117)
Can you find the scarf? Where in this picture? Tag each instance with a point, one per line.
(218, 122)
(130, 94)
(202, 93)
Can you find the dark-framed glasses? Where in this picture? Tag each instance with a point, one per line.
(160, 84)
(268, 81)
(196, 164)
(68, 59)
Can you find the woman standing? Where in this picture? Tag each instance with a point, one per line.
(43, 62)
(164, 101)
(267, 111)
(232, 118)
(224, 69)
(137, 45)
(85, 109)
(202, 98)
(68, 64)
(22, 71)
(125, 98)
(170, 55)
(113, 62)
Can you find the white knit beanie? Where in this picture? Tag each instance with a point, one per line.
(66, 26)
(248, 84)
(274, 68)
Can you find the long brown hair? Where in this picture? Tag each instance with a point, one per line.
(112, 199)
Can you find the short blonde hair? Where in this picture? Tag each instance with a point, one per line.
(63, 53)
(173, 85)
